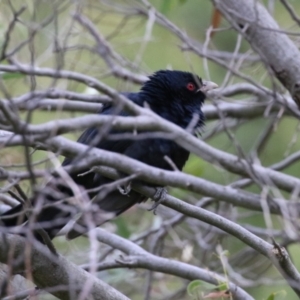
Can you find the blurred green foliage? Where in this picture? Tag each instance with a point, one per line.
(161, 51)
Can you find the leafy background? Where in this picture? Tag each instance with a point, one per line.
(160, 52)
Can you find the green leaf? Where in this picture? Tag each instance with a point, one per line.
(7, 76)
(193, 287)
(271, 297)
(223, 286)
(274, 295)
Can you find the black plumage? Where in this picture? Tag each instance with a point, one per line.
(175, 96)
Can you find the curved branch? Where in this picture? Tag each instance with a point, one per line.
(141, 258)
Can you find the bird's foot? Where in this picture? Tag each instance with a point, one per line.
(125, 189)
(159, 197)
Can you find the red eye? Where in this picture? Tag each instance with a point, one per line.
(190, 86)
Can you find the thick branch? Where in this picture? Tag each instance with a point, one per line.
(263, 33)
(60, 272)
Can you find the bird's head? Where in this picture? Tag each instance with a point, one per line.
(177, 95)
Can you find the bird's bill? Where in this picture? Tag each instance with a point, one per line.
(207, 86)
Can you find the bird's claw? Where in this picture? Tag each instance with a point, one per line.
(159, 197)
(125, 189)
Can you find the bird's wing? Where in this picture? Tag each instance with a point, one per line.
(99, 137)
(158, 153)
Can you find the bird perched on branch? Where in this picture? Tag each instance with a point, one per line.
(173, 95)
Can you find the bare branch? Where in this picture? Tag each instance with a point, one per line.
(66, 279)
(262, 32)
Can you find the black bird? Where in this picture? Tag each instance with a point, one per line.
(176, 96)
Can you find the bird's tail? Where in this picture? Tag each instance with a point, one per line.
(47, 210)
(51, 209)
(105, 208)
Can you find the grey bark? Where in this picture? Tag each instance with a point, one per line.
(276, 49)
(62, 278)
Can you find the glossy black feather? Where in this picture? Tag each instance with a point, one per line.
(167, 95)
